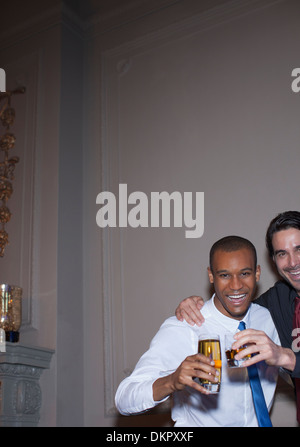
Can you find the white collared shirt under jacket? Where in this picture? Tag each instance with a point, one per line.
(175, 340)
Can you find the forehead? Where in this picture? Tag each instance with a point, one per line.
(233, 260)
(286, 239)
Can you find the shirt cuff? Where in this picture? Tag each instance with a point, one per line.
(146, 398)
(136, 398)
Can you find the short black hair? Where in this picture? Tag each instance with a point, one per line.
(229, 244)
(283, 221)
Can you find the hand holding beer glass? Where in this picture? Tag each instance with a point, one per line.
(209, 345)
(231, 353)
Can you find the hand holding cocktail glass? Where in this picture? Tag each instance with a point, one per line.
(258, 347)
(192, 372)
(197, 366)
(232, 351)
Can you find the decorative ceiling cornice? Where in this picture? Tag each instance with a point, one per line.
(124, 14)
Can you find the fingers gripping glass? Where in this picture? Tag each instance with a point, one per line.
(231, 353)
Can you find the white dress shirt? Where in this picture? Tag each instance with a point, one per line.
(175, 340)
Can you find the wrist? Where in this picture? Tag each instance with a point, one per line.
(163, 387)
(287, 359)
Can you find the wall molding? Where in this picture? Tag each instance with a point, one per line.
(39, 23)
(198, 23)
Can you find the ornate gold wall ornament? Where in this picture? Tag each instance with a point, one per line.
(7, 166)
(8, 117)
(5, 214)
(7, 141)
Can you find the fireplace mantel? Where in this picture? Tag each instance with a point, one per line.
(21, 367)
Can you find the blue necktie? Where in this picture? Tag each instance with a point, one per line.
(260, 406)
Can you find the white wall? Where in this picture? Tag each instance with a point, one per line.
(177, 99)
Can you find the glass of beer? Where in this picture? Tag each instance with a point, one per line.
(231, 353)
(209, 345)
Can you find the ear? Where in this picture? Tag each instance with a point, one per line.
(210, 275)
(257, 273)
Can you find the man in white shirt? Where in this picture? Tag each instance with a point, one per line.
(171, 364)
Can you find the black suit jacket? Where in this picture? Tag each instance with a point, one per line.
(280, 301)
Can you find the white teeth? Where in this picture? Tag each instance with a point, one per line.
(295, 273)
(236, 297)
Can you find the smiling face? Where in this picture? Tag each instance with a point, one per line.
(286, 246)
(234, 276)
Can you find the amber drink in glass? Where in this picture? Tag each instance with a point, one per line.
(209, 345)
